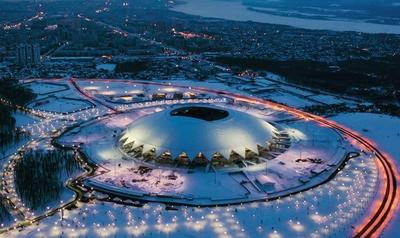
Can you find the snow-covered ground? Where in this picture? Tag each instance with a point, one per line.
(290, 100)
(59, 105)
(41, 88)
(107, 67)
(327, 210)
(308, 214)
(385, 131)
(23, 119)
(290, 171)
(327, 99)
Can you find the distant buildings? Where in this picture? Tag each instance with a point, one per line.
(28, 54)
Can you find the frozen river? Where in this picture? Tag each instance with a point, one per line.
(234, 10)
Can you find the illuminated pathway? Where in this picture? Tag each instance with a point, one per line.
(384, 203)
(384, 206)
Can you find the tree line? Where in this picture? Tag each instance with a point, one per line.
(12, 91)
(40, 176)
(376, 79)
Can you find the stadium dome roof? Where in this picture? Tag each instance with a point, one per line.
(198, 129)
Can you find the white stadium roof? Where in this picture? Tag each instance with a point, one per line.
(195, 129)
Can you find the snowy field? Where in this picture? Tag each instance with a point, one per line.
(327, 99)
(106, 67)
(46, 88)
(24, 119)
(60, 105)
(290, 100)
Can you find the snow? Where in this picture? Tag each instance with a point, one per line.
(303, 215)
(327, 99)
(385, 131)
(23, 119)
(318, 148)
(296, 91)
(60, 105)
(43, 88)
(327, 210)
(290, 100)
(107, 67)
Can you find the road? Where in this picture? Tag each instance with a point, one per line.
(90, 97)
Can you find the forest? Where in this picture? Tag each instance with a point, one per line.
(15, 94)
(376, 79)
(44, 184)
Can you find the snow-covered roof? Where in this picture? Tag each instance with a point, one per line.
(195, 129)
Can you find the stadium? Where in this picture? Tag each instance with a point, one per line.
(205, 149)
(206, 137)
